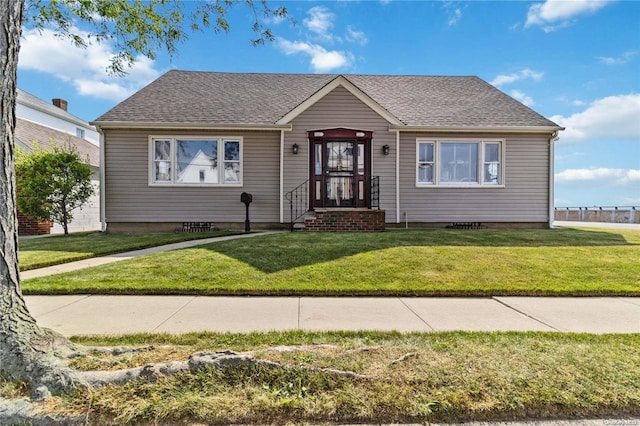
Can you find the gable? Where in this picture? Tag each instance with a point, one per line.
(346, 85)
(340, 109)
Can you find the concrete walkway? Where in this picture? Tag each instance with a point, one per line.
(97, 261)
(84, 314)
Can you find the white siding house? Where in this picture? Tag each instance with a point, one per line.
(44, 125)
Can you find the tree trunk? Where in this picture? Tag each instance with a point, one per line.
(27, 352)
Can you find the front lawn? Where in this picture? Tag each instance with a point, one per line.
(408, 262)
(408, 378)
(54, 250)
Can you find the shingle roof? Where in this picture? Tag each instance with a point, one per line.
(262, 99)
(34, 135)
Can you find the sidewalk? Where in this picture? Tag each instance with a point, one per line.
(82, 314)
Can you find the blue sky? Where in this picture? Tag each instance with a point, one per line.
(576, 62)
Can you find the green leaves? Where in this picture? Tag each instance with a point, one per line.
(142, 27)
(51, 184)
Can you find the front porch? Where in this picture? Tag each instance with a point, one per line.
(369, 218)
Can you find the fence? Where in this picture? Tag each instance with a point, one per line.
(620, 214)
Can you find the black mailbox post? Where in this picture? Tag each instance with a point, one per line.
(246, 198)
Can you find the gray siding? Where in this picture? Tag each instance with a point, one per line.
(340, 109)
(525, 197)
(129, 198)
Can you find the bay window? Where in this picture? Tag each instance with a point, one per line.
(196, 161)
(459, 162)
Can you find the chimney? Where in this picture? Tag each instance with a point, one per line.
(60, 103)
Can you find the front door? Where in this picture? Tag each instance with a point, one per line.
(340, 171)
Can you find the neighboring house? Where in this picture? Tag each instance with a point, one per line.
(41, 125)
(355, 151)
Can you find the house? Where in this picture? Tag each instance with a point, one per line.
(329, 152)
(42, 125)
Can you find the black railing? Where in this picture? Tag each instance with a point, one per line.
(375, 192)
(298, 201)
(299, 198)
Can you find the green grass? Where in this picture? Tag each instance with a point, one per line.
(415, 262)
(450, 377)
(40, 252)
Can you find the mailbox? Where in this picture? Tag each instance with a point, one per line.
(246, 198)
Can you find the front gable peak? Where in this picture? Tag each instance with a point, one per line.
(339, 81)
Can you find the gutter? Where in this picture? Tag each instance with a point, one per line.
(103, 218)
(189, 126)
(552, 139)
(397, 177)
(474, 129)
(281, 176)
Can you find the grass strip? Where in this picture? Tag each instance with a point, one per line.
(558, 262)
(53, 250)
(414, 378)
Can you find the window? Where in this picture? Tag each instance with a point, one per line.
(79, 132)
(459, 163)
(425, 162)
(190, 160)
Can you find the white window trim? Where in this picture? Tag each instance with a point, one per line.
(173, 138)
(480, 169)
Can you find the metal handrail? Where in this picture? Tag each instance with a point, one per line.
(375, 192)
(592, 208)
(298, 201)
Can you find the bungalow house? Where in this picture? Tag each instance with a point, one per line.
(336, 152)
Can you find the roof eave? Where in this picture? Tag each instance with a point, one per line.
(63, 115)
(477, 129)
(186, 126)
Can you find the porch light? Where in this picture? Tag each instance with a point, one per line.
(295, 148)
(385, 149)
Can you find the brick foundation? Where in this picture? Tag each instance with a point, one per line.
(29, 226)
(345, 220)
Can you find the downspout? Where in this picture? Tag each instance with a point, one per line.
(103, 219)
(281, 176)
(552, 139)
(397, 176)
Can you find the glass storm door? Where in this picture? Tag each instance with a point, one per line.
(339, 166)
(339, 174)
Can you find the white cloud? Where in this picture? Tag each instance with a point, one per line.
(454, 13)
(455, 16)
(620, 60)
(613, 117)
(322, 60)
(517, 76)
(356, 36)
(320, 22)
(85, 68)
(615, 176)
(527, 100)
(555, 14)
